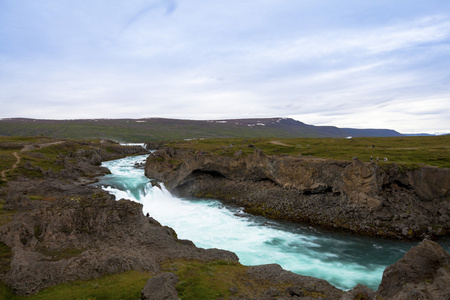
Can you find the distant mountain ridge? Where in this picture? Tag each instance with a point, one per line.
(153, 129)
(297, 127)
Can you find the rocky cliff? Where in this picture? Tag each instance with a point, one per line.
(85, 234)
(365, 198)
(56, 228)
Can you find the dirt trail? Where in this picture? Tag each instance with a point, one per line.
(24, 149)
(39, 146)
(13, 167)
(279, 143)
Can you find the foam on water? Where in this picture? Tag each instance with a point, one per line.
(344, 260)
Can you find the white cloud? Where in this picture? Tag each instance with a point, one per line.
(343, 66)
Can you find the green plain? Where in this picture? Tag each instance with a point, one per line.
(124, 286)
(410, 152)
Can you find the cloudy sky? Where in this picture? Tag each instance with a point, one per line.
(347, 63)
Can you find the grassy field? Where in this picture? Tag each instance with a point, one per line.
(124, 286)
(197, 280)
(42, 153)
(213, 280)
(407, 151)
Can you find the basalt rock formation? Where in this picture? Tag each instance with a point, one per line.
(364, 198)
(87, 235)
(422, 273)
(63, 229)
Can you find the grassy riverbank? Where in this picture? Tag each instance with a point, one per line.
(23, 156)
(407, 151)
(197, 280)
(124, 286)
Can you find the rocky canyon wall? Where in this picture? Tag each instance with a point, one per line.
(365, 198)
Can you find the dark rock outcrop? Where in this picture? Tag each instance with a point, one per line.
(351, 195)
(359, 292)
(423, 273)
(80, 237)
(298, 285)
(161, 287)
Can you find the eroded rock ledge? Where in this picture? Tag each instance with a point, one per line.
(355, 196)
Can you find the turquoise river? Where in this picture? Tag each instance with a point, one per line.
(342, 259)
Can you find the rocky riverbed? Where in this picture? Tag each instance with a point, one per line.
(57, 228)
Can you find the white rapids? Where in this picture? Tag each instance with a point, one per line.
(342, 259)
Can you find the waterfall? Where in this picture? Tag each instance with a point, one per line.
(342, 259)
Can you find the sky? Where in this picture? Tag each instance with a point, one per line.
(347, 63)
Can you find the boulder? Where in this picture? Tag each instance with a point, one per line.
(275, 274)
(161, 287)
(359, 292)
(155, 183)
(423, 273)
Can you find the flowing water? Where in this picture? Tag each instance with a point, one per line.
(342, 259)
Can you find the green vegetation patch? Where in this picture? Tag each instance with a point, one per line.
(18, 141)
(123, 286)
(55, 255)
(35, 197)
(10, 147)
(5, 215)
(410, 152)
(217, 280)
(212, 280)
(5, 258)
(7, 160)
(6, 292)
(37, 154)
(52, 151)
